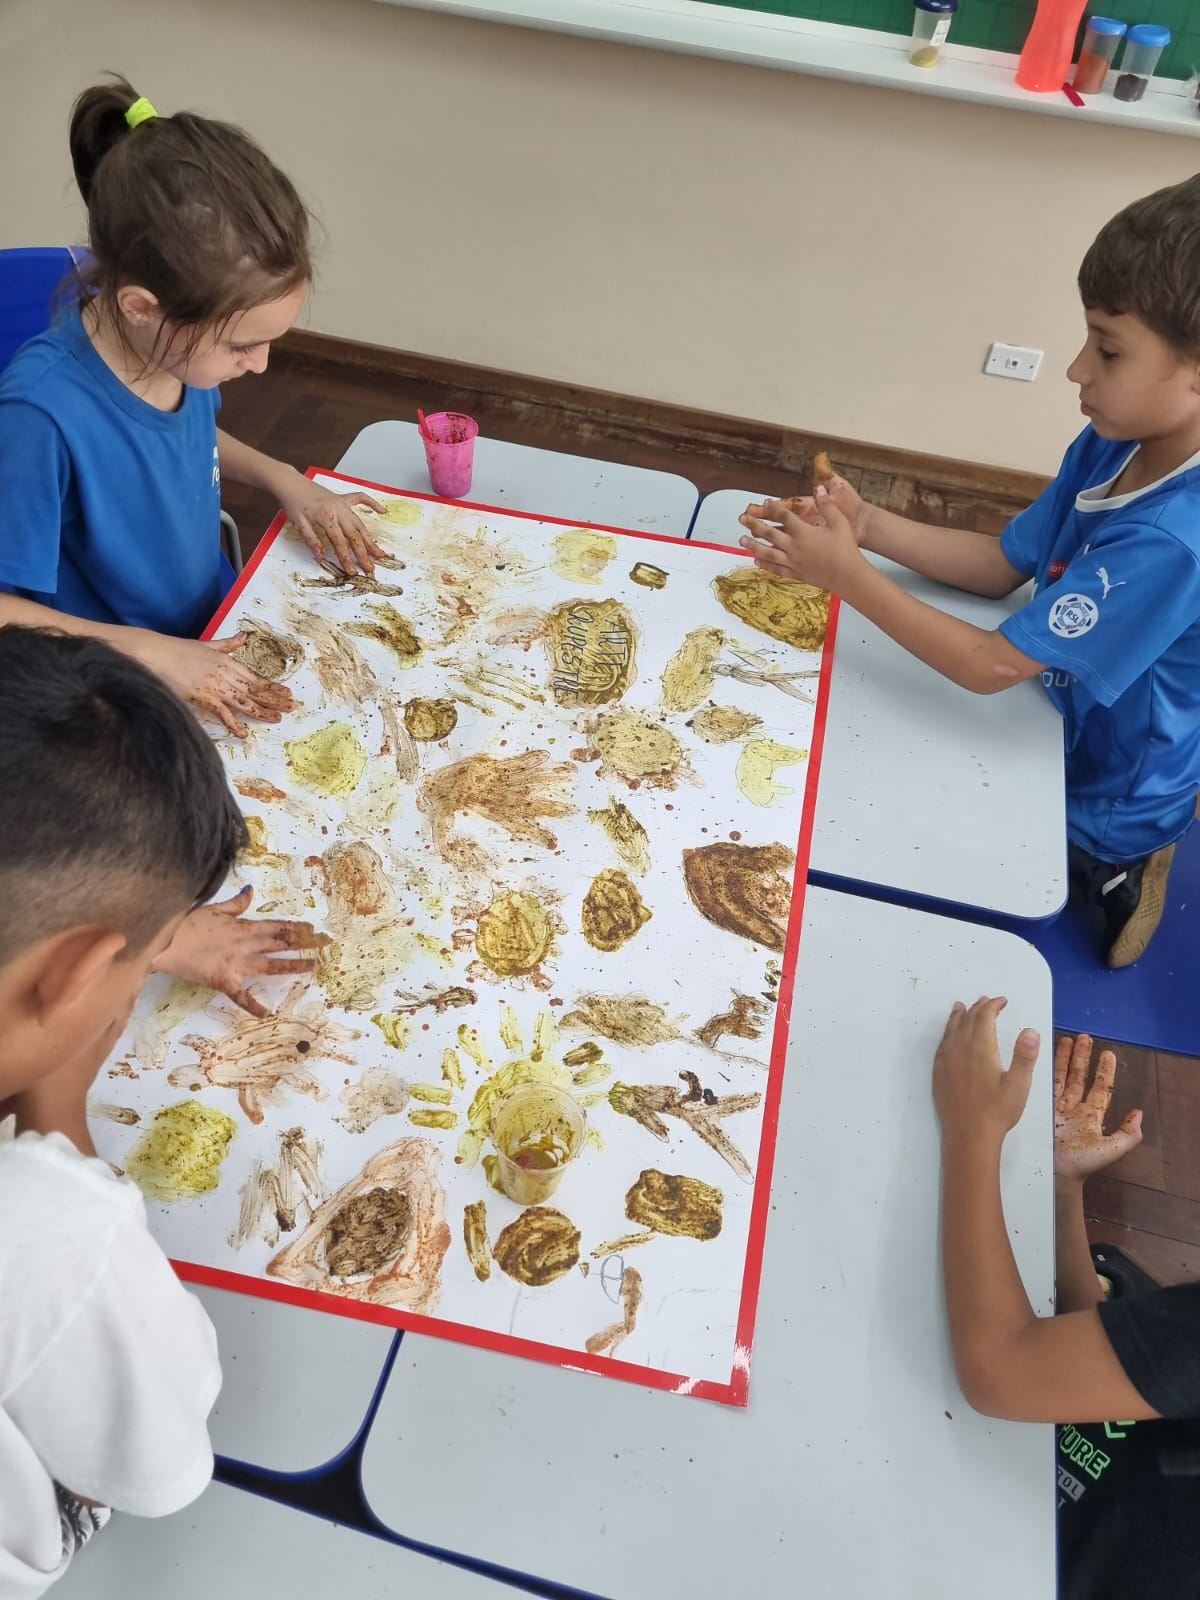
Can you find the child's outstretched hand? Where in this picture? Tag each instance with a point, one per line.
(215, 946)
(1081, 1146)
(205, 674)
(820, 550)
(972, 1090)
(328, 526)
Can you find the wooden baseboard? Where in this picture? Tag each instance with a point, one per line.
(914, 481)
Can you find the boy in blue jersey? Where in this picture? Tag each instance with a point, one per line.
(1113, 625)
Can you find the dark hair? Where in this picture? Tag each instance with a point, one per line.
(114, 807)
(1146, 262)
(183, 206)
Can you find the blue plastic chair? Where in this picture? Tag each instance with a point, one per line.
(30, 281)
(33, 282)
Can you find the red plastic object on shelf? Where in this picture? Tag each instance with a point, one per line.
(1046, 59)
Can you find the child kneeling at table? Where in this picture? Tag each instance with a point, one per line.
(115, 822)
(1129, 1520)
(1113, 628)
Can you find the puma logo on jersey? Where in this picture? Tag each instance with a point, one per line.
(216, 471)
(1102, 574)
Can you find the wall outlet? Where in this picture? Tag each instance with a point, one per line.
(1012, 361)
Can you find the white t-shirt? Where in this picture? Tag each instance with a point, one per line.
(108, 1366)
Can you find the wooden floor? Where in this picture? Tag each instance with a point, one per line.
(306, 412)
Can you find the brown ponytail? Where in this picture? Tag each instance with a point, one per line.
(183, 206)
(97, 122)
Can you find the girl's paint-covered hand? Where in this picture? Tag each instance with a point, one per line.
(217, 946)
(328, 526)
(1081, 1146)
(205, 674)
(820, 551)
(972, 1090)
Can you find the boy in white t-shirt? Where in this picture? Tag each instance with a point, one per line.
(115, 821)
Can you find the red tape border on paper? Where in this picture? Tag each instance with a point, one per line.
(737, 1391)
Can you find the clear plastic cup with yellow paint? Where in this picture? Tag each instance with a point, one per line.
(538, 1131)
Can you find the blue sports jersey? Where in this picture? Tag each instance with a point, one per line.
(1115, 622)
(110, 509)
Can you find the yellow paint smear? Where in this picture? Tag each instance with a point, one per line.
(581, 556)
(331, 761)
(179, 1157)
(395, 1029)
(756, 768)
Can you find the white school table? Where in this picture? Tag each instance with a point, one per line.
(928, 791)
(518, 477)
(296, 1384)
(236, 1546)
(857, 1469)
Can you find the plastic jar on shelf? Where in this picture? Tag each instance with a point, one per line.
(1100, 44)
(931, 24)
(1144, 44)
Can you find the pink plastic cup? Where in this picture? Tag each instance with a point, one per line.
(449, 440)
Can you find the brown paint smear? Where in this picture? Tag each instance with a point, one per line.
(367, 1232)
(700, 1109)
(392, 630)
(475, 1237)
(745, 1019)
(742, 888)
(686, 1208)
(723, 724)
(613, 911)
(354, 582)
(272, 655)
(541, 1246)
(430, 720)
(796, 613)
(271, 1197)
(647, 576)
(379, 1092)
(626, 834)
(259, 789)
(513, 792)
(625, 1019)
(607, 1340)
(265, 1058)
(359, 1234)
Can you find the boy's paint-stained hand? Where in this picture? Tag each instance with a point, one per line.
(972, 1090)
(216, 945)
(1081, 1147)
(227, 687)
(328, 526)
(205, 675)
(821, 548)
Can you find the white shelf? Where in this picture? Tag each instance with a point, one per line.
(826, 49)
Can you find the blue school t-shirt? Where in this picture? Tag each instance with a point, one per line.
(109, 508)
(1115, 622)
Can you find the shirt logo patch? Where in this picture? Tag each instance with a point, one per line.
(216, 471)
(1073, 615)
(1056, 570)
(1102, 574)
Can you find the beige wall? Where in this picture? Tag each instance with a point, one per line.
(754, 242)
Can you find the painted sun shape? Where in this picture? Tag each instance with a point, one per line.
(513, 934)
(574, 1072)
(265, 1058)
(635, 749)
